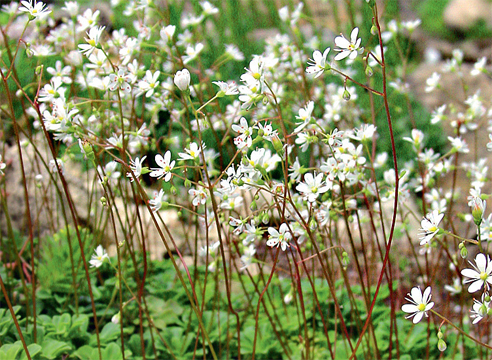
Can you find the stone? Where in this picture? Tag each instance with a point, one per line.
(462, 14)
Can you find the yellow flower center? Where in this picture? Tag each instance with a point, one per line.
(421, 307)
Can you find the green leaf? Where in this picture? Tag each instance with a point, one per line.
(79, 326)
(62, 324)
(164, 313)
(52, 349)
(113, 352)
(85, 352)
(33, 350)
(109, 333)
(12, 350)
(6, 322)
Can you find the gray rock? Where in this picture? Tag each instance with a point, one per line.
(462, 14)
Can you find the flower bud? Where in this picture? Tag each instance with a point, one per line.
(346, 95)
(345, 259)
(288, 297)
(278, 146)
(463, 252)
(182, 80)
(374, 30)
(441, 345)
(116, 318)
(265, 218)
(478, 208)
(369, 71)
(313, 224)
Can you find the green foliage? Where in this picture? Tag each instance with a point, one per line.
(55, 265)
(71, 334)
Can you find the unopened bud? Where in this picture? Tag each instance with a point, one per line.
(265, 219)
(313, 224)
(463, 252)
(346, 95)
(345, 259)
(441, 345)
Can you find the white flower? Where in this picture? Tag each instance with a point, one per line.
(136, 166)
(156, 202)
(208, 8)
(233, 52)
(87, 20)
(225, 88)
(182, 79)
(120, 80)
(98, 258)
(199, 196)
(2, 165)
(429, 226)
(411, 25)
(167, 32)
(35, 9)
(455, 288)
(416, 139)
(54, 166)
(312, 186)
(279, 238)
(318, 64)
(245, 131)
(149, 83)
(92, 41)
(348, 48)
(459, 145)
(109, 171)
(433, 82)
(72, 7)
(165, 166)
(480, 274)
(481, 308)
(192, 53)
(209, 249)
(192, 153)
(365, 132)
(51, 91)
(438, 114)
(248, 257)
(479, 66)
(305, 116)
(489, 144)
(62, 73)
(420, 304)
